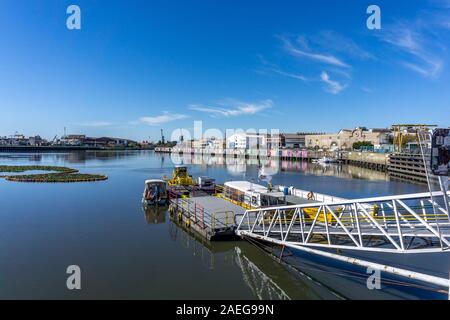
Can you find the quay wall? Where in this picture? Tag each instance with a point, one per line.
(284, 154)
(408, 167)
(371, 160)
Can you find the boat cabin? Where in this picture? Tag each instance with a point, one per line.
(253, 195)
(155, 191)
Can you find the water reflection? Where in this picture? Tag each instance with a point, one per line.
(155, 215)
(91, 233)
(261, 285)
(265, 277)
(75, 157)
(240, 166)
(199, 247)
(234, 166)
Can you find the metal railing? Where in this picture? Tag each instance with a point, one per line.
(404, 223)
(195, 213)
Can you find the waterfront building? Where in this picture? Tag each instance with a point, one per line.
(253, 141)
(73, 140)
(237, 141)
(295, 140)
(108, 142)
(37, 141)
(344, 139)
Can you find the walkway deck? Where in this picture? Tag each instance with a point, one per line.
(212, 217)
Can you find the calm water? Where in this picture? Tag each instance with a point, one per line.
(126, 253)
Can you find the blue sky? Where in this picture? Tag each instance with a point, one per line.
(138, 66)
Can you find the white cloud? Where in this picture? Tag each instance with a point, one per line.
(290, 75)
(161, 119)
(420, 47)
(234, 108)
(334, 87)
(367, 90)
(336, 42)
(96, 124)
(305, 52)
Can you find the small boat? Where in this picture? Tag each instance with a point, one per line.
(327, 160)
(155, 193)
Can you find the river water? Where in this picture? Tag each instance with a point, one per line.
(126, 253)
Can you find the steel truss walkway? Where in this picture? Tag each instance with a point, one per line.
(413, 223)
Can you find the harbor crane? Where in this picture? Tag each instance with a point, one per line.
(163, 139)
(401, 132)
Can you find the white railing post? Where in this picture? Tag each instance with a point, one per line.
(399, 227)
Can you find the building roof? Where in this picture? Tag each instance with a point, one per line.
(381, 130)
(246, 186)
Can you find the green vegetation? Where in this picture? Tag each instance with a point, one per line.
(403, 140)
(362, 145)
(57, 175)
(18, 169)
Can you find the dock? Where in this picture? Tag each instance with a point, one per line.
(212, 217)
(408, 167)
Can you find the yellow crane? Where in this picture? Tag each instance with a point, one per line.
(401, 133)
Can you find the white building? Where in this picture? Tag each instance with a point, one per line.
(237, 141)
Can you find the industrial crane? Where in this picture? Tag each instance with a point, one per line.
(163, 140)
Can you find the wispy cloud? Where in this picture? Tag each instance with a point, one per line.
(367, 90)
(161, 119)
(96, 124)
(441, 3)
(290, 75)
(421, 49)
(318, 51)
(271, 68)
(333, 86)
(233, 108)
(335, 42)
(303, 51)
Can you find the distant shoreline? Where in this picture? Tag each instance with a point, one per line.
(62, 148)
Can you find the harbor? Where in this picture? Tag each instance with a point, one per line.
(396, 236)
(112, 226)
(410, 229)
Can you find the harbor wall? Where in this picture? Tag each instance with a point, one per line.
(371, 160)
(284, 154)
(408, 167)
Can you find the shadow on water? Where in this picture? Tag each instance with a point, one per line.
(265, 277)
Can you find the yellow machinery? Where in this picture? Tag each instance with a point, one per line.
(311, 214)
(180, 177)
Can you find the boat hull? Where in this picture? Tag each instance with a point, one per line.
(161, 203)
(350, 280)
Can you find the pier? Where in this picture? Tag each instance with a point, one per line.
(210, 216)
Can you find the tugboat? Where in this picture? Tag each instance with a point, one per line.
(155, 193)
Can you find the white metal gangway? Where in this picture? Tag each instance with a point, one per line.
(402, 224)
